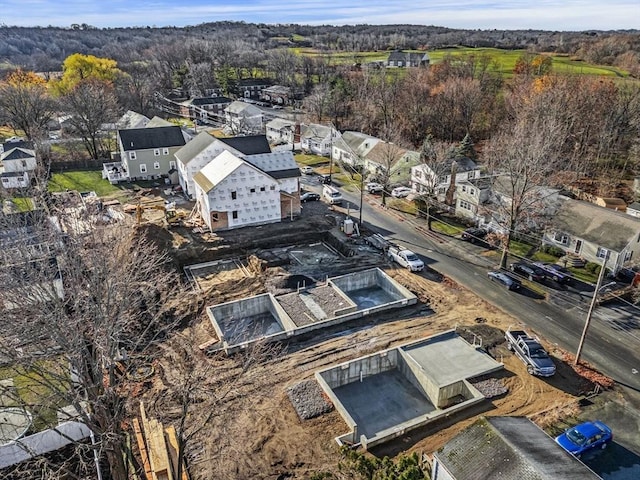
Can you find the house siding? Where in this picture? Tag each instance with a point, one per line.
(587, 250)
(148, 158)
(197, 163)
(252, 208)
(17, 165)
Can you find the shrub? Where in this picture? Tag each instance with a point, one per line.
(551, 250)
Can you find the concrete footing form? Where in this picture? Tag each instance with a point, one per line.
(269, 318)
(385, 395)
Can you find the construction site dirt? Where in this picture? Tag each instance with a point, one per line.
(249, 427)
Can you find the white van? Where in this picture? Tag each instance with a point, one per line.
(331, 195)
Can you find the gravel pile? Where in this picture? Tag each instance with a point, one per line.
(308, 399)
(490, 387)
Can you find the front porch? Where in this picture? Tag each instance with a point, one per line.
(114, 172)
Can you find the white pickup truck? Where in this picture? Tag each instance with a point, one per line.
(406, 258)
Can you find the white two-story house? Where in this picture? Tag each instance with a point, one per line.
(352, 147)
(436, 179)
(17, 162)
(242, 117)
(232, 193)
(318, 139)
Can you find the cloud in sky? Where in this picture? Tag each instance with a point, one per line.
(471, 14)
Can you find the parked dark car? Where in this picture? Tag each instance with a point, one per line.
(474, 235)
(325, 179)
(584, 437)
(505, 279)
(528, 271)
(309, 197)
(556, 272)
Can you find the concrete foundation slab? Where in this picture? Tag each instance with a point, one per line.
(386, 394)
(272, 318)
(448, 358)
(382, 401)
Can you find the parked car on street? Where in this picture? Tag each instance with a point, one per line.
(401, 192)
(405, 258)
(505, 279)
(531, 352)
(585, 437)
(528, 271)
(309, 197)
(325, 179)
(474, 235)
(307, 170)
(554, 271)
(374, 187)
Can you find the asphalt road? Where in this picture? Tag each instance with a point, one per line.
(613, 339)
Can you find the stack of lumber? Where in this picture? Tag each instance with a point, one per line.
(158, 448)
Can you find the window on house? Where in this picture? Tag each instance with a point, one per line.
(24, 163)
(143, 168)
(156, 165)
(172, 164)
(471, 174)
(628, 255)
(561, 238)
(214, 216)
(234, 214)
(602, 252)
(472, 191)
(262, 189)
(234, 195)
(464, 188)
(272, 187)
(156, 152)
(21, 179)
(465, 205)
(165, 151)
(132, 155)
(5, 180)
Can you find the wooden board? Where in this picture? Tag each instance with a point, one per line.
(143, 450)
(172, 446)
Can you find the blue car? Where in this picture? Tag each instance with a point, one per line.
(585, 437)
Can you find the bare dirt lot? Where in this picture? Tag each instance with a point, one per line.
(241, 423)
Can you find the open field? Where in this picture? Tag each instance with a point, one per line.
(82, 181)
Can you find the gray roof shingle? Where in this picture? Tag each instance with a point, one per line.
(146, 138)
(249, 145)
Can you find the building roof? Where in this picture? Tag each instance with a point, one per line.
(218, 169)
(249, 145)
(509, 448)
(132, 119)
(314, 130)
(194, 147)
(6, 146)
(253, 82)
(601, 226)
(280, 123)
(159, 122)
(385, 154)
(146, 138)
(276, 164)
(278, 89)
(634, 206)
(209, 101)
(17, 154)
(245, 108)
(414, 57)
(356, 142)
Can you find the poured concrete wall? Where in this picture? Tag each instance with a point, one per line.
(372, 278)
(418, 377)
(350, 372)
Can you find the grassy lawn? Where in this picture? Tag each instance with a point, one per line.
(82, 181)
(446, 228)
(313, 161)
(402, 205)
(519, 249)
(23, 204)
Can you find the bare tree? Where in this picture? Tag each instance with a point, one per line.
(92, 103)
(82, 304)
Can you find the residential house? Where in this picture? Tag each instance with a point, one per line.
(318, 139)
(159, 122)
(437, 178)
(509, 448)
(277, 95)
(390, 160)
(469, 196)
(17, 163)
(280, 131)
(352, 147)
(242, 117)
(197, 153)
(232, 193)
(205, 108)
(148, 153)
(401, 59)
(251, 87)
(634, 209)
(594, 233)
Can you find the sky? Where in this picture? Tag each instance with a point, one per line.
(468, 14)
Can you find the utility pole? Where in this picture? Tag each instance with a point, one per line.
(591, 308)
(361, 197)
